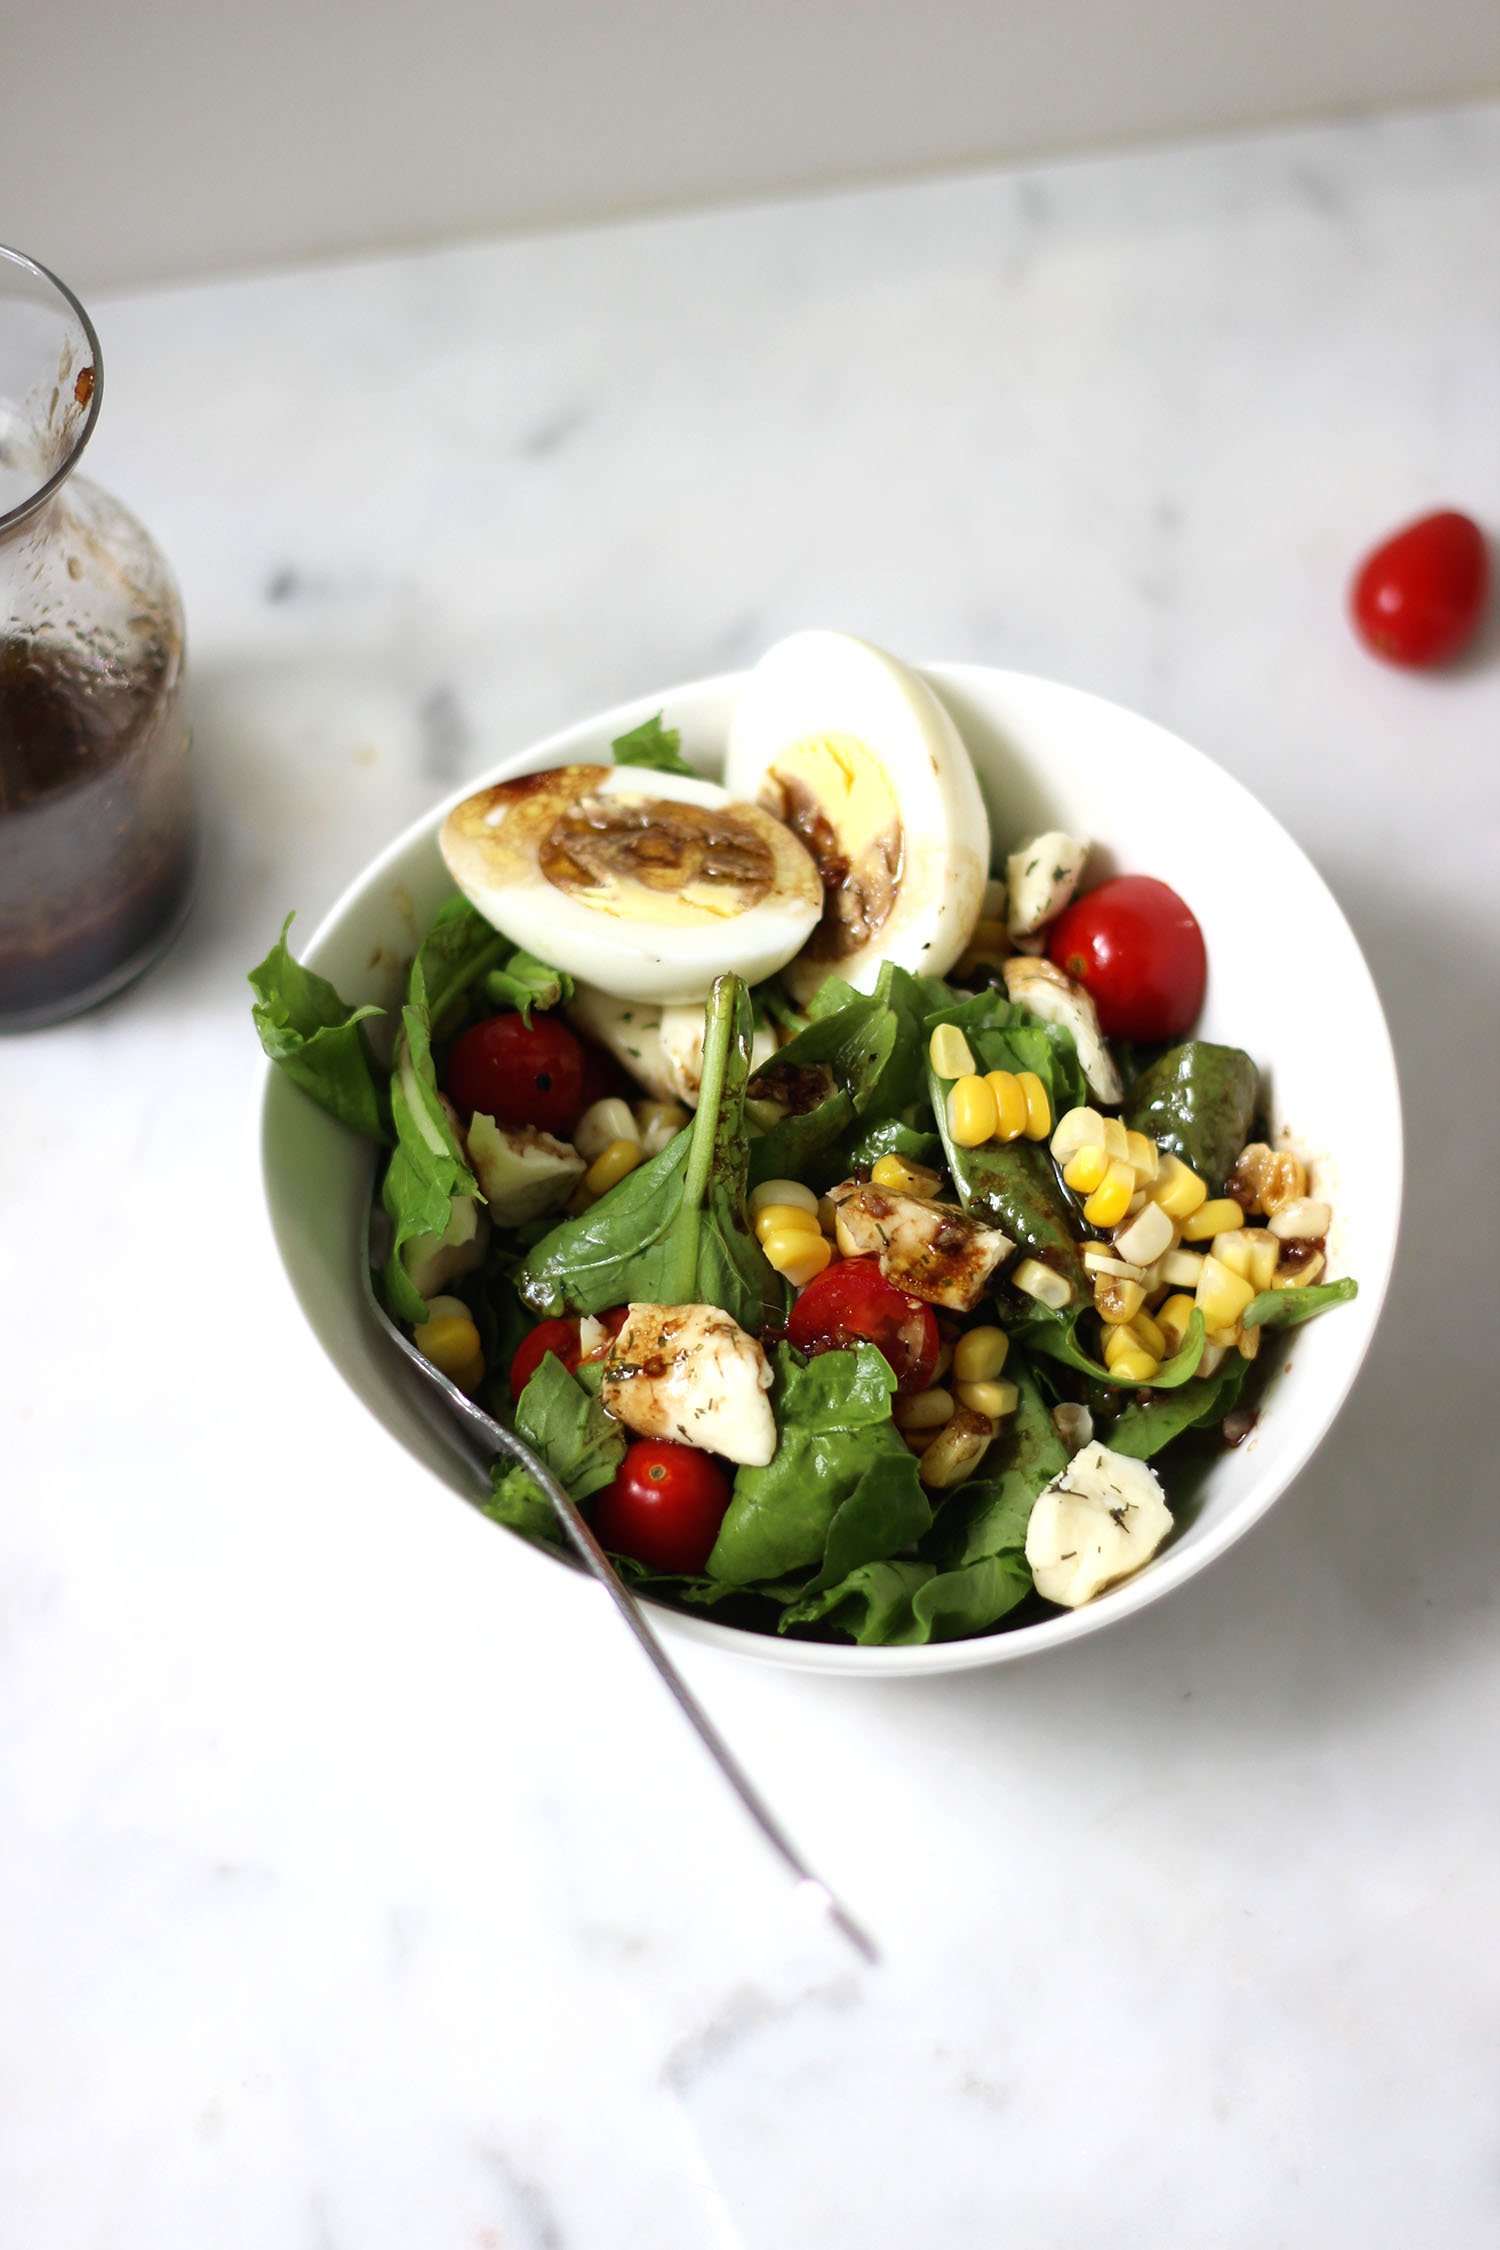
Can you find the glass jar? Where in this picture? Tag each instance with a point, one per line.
(96, 821)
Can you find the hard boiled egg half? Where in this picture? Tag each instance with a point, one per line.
(646, 885)
(858, 757)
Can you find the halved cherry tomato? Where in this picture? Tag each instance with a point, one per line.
(851, 1302)
(518, 1073)
(664, 1507)
(562, 1338)
(1138, 952)
(1418, 598)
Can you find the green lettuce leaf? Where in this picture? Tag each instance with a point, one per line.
(319, 1041)
(1054, 1335)
(653, 745)
(1285, 1308)
(833, 1414)
(673, 1232)
(560, 1417)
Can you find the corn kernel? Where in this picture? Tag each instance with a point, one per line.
(1038, 1107)
(659, 1123)
(949, 1053)
(1116, 1140)
(1221, 1295)
(612, 1165)
(1249, 1342)
(994, 1399)
(1172, 1320)
(1213, 1359)
(903, 1178)
(1086, 1168)
(1119, 1341)
(1045, 1283)
(450, 1341)
(1010, 1104)
(785, 1218)
(971, 1111)
(923, 1410)
(1117, 1301)
(1295, 1277)
(602, 1123)
(1149, 1335)
(1111, 1198)
(1252, 1172)
(958, 1447)
(799, 1254)
(828, 1214)
(1076, 1129)
(1232, 1249)
(1142, 1155)
(979, 1355)
(1284, 1182)
(1134, 1366)
(1146, 1237)
(1300, 1220)
(1265, 1252)
(1221, 1216)
(1177, 1188)
(1181, 1269)
(788, 1194)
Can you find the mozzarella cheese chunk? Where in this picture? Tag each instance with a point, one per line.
(857, 755)
(1042, 989)
(690, 1375)
(931, 1250)
(1041, 878)
(647, 885)
(1093, 1525)
(524, 1172)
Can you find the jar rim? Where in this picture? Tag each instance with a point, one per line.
(83, 429)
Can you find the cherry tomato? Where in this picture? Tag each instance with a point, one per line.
(1138, 952)
(562, 1338)
(664, 1507)
(1418, 598)
(518, 1073)
(851, 1302)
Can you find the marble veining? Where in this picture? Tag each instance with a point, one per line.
(351, 1901)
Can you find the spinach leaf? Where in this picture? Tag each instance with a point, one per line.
(988, 1516)
(1285, 1308)
(1148, 1424)
(1013, 1184)
(860, 1057)
(1054, 1335)
(560, 1417)
(651, 744)
(673, 1232)
(873, 1605)
(318, 1040)
(1198, 1101)
(526, 983)
(459, 949)
(889, 1137)
(839, 1461)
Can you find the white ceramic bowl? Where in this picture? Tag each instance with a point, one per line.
(1047, 756)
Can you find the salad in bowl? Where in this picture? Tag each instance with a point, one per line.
(845, 1179)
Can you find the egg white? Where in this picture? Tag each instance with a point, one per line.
(620, 937)
(811, 701)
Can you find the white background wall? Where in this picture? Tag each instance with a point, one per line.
(165, 137)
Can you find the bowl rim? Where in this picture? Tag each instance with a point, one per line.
(1168, 1571)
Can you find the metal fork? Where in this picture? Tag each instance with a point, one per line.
(491, 1440)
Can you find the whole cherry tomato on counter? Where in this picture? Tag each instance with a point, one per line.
(563, 1339)
(1418, 598)
(851, 1302)
(1136, 949)
(665, 1506)
(518, 1073)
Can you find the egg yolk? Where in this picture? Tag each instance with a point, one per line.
(837, 799)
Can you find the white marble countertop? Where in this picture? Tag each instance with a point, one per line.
(346, 1905)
